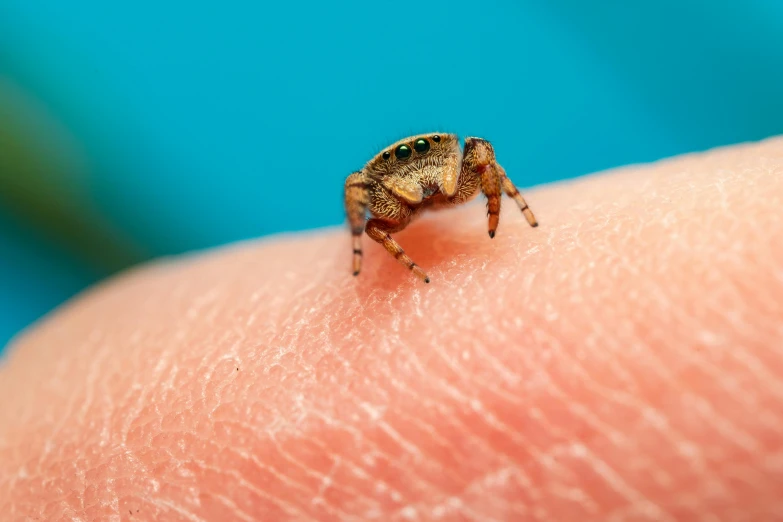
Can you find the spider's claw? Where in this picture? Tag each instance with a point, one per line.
(492, 234)
(531, 219)
(421, 274)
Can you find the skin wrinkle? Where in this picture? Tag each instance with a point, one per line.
(277, 506)
(324, 479)
(617, 363)
(490, 421)
(410, 447)
(324, 419)
(445, 414)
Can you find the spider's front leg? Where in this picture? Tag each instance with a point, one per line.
(479, 161)
(357, 198)
(379, 229)
(512, 192)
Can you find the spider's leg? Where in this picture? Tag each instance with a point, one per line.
(378, 230)
(357, 198)
(479, 161)
(490, 186)
(512, 191)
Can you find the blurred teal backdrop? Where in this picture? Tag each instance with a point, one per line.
(145, 129)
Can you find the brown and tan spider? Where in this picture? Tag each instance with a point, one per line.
(428, 171)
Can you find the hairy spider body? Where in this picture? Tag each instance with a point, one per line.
(428, 171)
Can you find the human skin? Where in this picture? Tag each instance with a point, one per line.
(622, 361)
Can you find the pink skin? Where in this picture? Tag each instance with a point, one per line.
(622, 361)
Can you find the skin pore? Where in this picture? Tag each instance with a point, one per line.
(622, 361)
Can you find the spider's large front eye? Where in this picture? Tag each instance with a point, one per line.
(421, 145)
(402, 152)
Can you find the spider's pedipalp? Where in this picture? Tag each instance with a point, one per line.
(404, 188)
(357, 199)
(449, 181)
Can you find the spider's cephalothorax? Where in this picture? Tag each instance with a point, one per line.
(428, 171)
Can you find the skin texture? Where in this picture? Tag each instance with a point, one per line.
(620, 362)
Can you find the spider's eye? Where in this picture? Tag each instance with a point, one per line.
(436, 138)
(386, 155)
(421, 145)
(402, 152)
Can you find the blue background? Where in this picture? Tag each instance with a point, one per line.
(171, 126)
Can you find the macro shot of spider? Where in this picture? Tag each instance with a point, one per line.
(424, 172)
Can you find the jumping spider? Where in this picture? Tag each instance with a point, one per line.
(428, 171)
